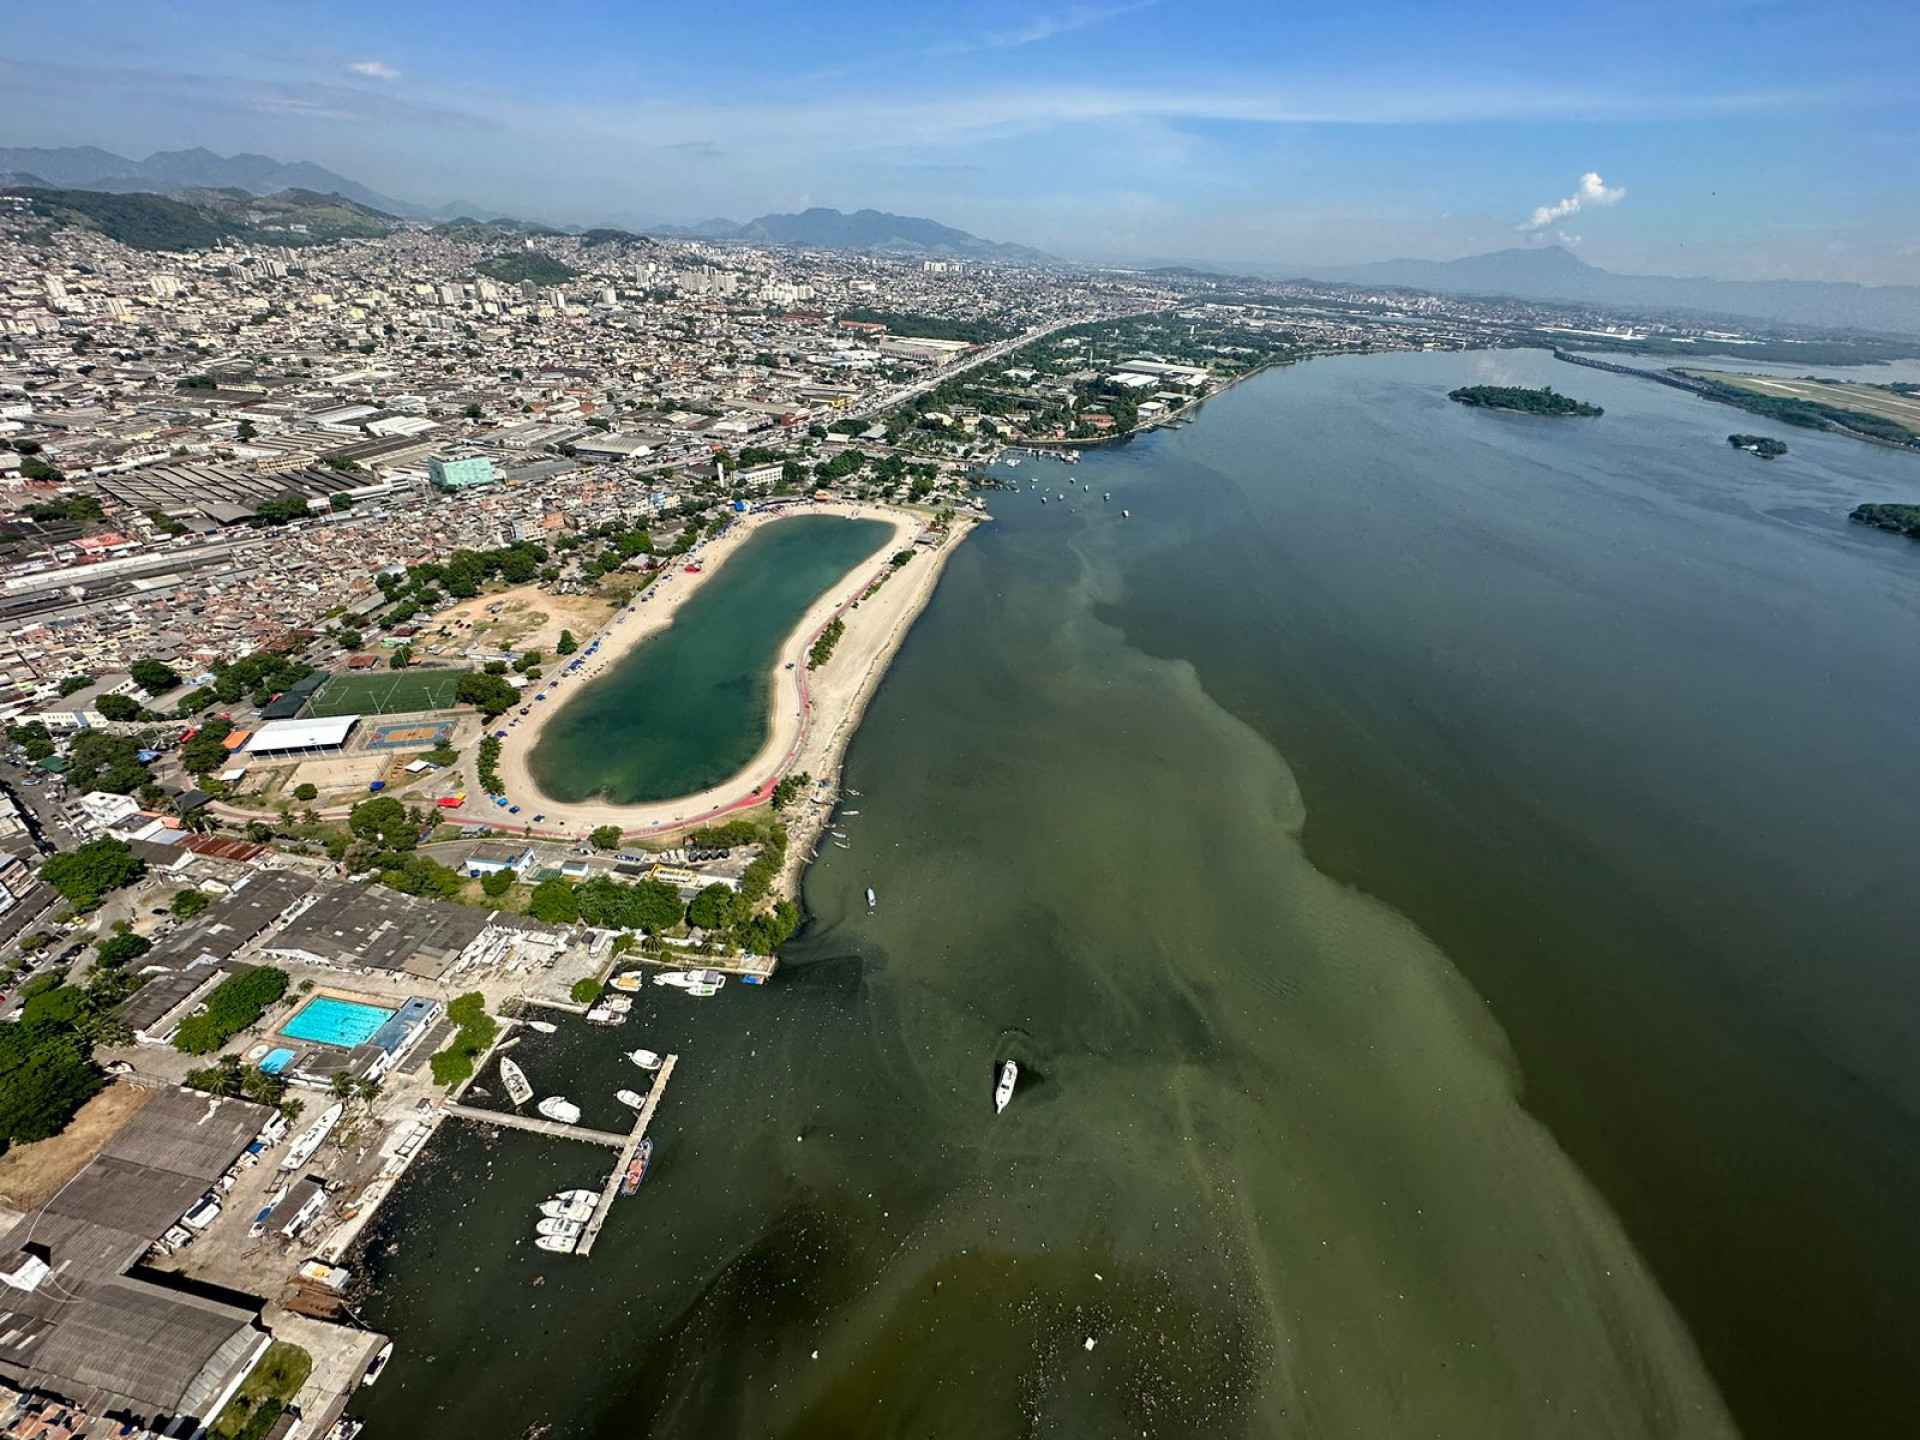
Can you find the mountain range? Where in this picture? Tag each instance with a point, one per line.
(1551, 272)
(166, 172)
(872, 230)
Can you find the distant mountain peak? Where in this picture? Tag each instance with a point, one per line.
(871, 230)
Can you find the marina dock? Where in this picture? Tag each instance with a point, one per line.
(611, 1190)
(538, 1125)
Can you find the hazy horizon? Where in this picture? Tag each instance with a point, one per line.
(1740, 140)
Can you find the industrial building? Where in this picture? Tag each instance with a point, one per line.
(81, 1320)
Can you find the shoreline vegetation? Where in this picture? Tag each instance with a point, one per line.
(1765, 446)
(1544, 401)
(1900, 519)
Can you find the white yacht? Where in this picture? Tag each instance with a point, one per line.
(519, 1088)
(1003, 1092)
(558, 1244)
(377, 1364)
(565, 1229)
(645, 1059)
(632, 1098)
(578, 1211)
(556, 1107)
(309, 1139)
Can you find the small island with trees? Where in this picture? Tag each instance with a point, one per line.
(1544, 401)
(1765, 446)
(1901, 519)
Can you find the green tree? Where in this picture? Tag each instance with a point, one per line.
(119, 949)
(567, 644)
(708, 909)
(73, 684)
(189, 903)
(401, 658)
(497, 883)
(156, 677)
(553, 901)
(585, 991)
(118, 707)
(306, 790)
(490, 694)
(87, 875)
(605, 837)
(383, 821)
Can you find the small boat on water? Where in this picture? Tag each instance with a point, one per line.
(605, 1015)
(544, 1027)
(691, 979)
(872, 899)
(620, 1004)
(631, 1098)
(849, 812)
(637, 1167)
(519, 1088)
(557, 1107)
(1003, 1092)
(702, 991)
(558, 1244)
(645, 1059)
(377, 1364)
(629, 980)
(577, 1197)
(1126, 514)
(309, 1139)
(565, 1229)
(842, 845)
(1108, 495)
(578, 1211)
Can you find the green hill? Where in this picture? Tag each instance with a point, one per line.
(516, 265)
(200, 219)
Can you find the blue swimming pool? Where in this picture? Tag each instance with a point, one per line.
(328, 1020)
(277, 1061)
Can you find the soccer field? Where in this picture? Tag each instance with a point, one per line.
(386, 692)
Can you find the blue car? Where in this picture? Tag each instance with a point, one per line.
(513, 810)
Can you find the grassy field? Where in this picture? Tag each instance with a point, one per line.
(1840, 394)
(264, 1394)
(386, 692)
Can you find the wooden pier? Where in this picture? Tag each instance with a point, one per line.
(611, 1190)
(539, 1125)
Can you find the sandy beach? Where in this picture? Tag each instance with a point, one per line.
(813, 715)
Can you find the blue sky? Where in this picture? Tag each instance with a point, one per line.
(1740, 138)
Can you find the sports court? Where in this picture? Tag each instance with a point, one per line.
(386, 692)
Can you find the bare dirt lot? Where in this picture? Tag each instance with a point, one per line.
(31, 1174)
(522, 618)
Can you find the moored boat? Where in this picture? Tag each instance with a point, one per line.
(545, 1027)
(1003, 1092)
(377, 1364)
(561, 1229)
(519, 1088)
(645, 1059)
(576, 1210)
(637, 1167)
(605, 1015)
(632, 1098)
(558, 1107)
(629, 980)
(619, 1004)
(558, 1244)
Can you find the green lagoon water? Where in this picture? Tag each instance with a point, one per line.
(687, 709)
(1445, 876)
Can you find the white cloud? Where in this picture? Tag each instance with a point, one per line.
(1593, 191)
(374, 70)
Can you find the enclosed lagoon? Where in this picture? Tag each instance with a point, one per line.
(1424, 864)
(688, 708)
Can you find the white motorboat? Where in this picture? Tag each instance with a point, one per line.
(709, 977)
(702, 991)
(1003, 1092)
(519, 1088)
(630, 1097)
(578, 1197)
(605, 1015)
(629, 980)
(545, 1027)
(309, 1139)
(619, 1004)
(567, 1228)
(556, 1107)
(377, 1364)
(579, 1211)
(679, 979)
(872, 899)
(558, 1244)
(1126, 514)
(645, 1059)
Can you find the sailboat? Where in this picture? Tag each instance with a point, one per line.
(309, 1139)
(1003, 1092)
(519, 1088)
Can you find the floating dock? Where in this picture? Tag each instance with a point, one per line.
(611, 1190)
(627, 1144)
